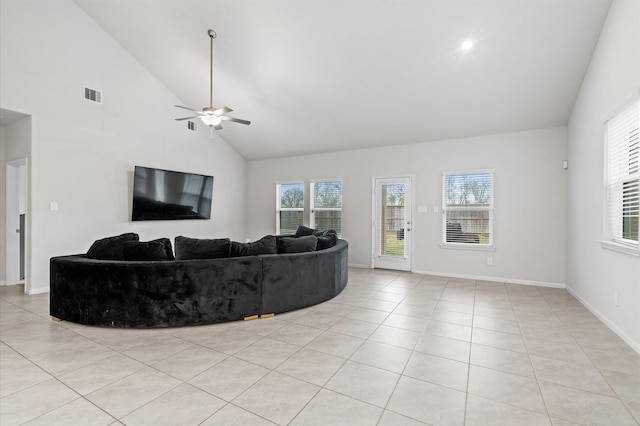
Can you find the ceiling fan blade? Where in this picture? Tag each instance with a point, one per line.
(222, 110)
(235, 120)
(187, 118)
(190, 109)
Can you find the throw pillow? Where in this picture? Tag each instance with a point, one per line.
(298, 245)
(327, 239)
(159, 249)
(110, 248)
(201, 248)
(265, 245)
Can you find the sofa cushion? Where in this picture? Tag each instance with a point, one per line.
(327, 239)
(167, 246)
(303, 231)
(265, 245)
(202, 248)
(159, 249)
(281, 236)
(110, 248)
(298, 245)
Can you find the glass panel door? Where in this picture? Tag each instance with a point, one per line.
(392, 224)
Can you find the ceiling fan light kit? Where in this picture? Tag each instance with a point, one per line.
(211, 120)
(210, 115)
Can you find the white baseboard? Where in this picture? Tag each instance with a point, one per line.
(624, 336)
(359, 266)
(496, 279)
(38, 291)
(476, 277)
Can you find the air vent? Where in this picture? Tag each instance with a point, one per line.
(92, 95)
(192, 125)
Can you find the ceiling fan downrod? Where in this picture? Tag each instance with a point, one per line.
(212, 35)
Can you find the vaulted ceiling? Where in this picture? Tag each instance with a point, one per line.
(329, 75)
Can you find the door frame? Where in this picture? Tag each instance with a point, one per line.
(16, 193)
(408, 263)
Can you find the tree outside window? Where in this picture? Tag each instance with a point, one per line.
(326, 208)
(290, 207)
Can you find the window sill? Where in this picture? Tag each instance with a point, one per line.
(463, 246)
(620, 248)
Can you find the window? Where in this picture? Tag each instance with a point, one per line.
(467, 209)
(622, 176)
(326, 205)
(289, 207)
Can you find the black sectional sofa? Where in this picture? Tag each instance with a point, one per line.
(175, 292)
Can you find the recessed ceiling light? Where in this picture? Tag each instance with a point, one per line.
(468, 44)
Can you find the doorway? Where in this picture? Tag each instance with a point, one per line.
(392, 224)
(15, 221)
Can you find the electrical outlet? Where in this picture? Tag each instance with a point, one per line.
(489, 260)
(616, 299)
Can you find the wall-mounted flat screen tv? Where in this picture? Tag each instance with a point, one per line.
(170, 195)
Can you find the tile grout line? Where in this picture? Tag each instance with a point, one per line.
(466, 396)
(524, 342)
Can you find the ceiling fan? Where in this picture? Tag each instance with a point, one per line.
(210, 115)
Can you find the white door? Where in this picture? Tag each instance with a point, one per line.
(392, 223)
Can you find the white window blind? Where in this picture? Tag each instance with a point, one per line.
(467, 208)
(623, 196)
(289, 207)
(326, 205)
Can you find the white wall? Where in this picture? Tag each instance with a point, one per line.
(82, 154)
(594, 273)
(530, 200)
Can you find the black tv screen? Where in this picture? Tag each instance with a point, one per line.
(170, 195)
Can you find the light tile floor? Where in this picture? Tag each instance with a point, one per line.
(392, 349)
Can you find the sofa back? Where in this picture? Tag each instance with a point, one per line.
(294, 281)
